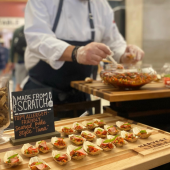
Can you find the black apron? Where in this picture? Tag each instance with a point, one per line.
(42, 75)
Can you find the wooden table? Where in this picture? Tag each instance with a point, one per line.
(97, 88)
(153, 98)
(119, 158)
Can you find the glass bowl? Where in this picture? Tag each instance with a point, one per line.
(167, 77)
(129, 78)
(5, 114)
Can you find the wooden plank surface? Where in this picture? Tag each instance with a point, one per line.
(119, 158)
(97, 88)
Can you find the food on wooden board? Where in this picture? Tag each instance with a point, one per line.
(61, 158)
(99, 122)
(77, 139)
(76, 153)
(123, 125)
(88, 80)
(92, 148)
(29, 150)
(58, 142)
(67, 130)
(43, 146)
(37, 163)
(101, 133)
(142, 133)
(105, 144)
(89, 125)
(117, 140)
(88, 135)
(12, 159)
(78, 127)
(130, 137)
(112, 130)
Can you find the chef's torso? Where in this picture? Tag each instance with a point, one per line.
(73, 26)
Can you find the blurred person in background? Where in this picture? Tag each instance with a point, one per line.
(4, 55)
(18, 46)
(65, 38)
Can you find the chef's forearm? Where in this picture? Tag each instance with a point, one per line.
(67, 54)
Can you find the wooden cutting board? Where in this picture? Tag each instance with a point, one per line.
(97, 88)
(118, 158)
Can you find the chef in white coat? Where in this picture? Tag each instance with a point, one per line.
(65, 38)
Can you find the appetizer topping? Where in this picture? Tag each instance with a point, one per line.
(126, 125)
(108, 140)
(107, 145)
(38, 166)
(31, 150)
(90, 124)
(61, 158)
(67, 130)
(78, 127)
(112, 129)
(43, 146)
(118, 140)
(127, 79)
(101, 132)
(91, 148)
(129, 136)
(99, 122)
(168, 75)
(87, 136)
(13, 159)
(60, 142)
(77, 138)
(143, 132)
(78, 148)
(77, 152)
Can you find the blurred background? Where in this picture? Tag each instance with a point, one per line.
(145, 23)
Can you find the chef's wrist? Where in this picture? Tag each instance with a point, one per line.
(74, 54)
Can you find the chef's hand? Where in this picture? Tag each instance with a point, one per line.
(132, 54)
(92, 53)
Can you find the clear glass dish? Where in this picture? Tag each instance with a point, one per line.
(167, 77)
(5, 114)
(129, 78)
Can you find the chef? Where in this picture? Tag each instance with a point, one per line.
(65, 38)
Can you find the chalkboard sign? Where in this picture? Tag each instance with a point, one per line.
(32, 112)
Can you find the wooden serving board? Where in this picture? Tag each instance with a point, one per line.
(97, 88)
(118, 158)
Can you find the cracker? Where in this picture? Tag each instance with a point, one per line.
(3, 100)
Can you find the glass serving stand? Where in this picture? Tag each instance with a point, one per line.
(5, 113)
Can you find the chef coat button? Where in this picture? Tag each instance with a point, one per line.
(70, 16)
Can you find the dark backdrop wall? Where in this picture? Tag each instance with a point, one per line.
(119, 14)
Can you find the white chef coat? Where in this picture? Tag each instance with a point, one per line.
(73, 26)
